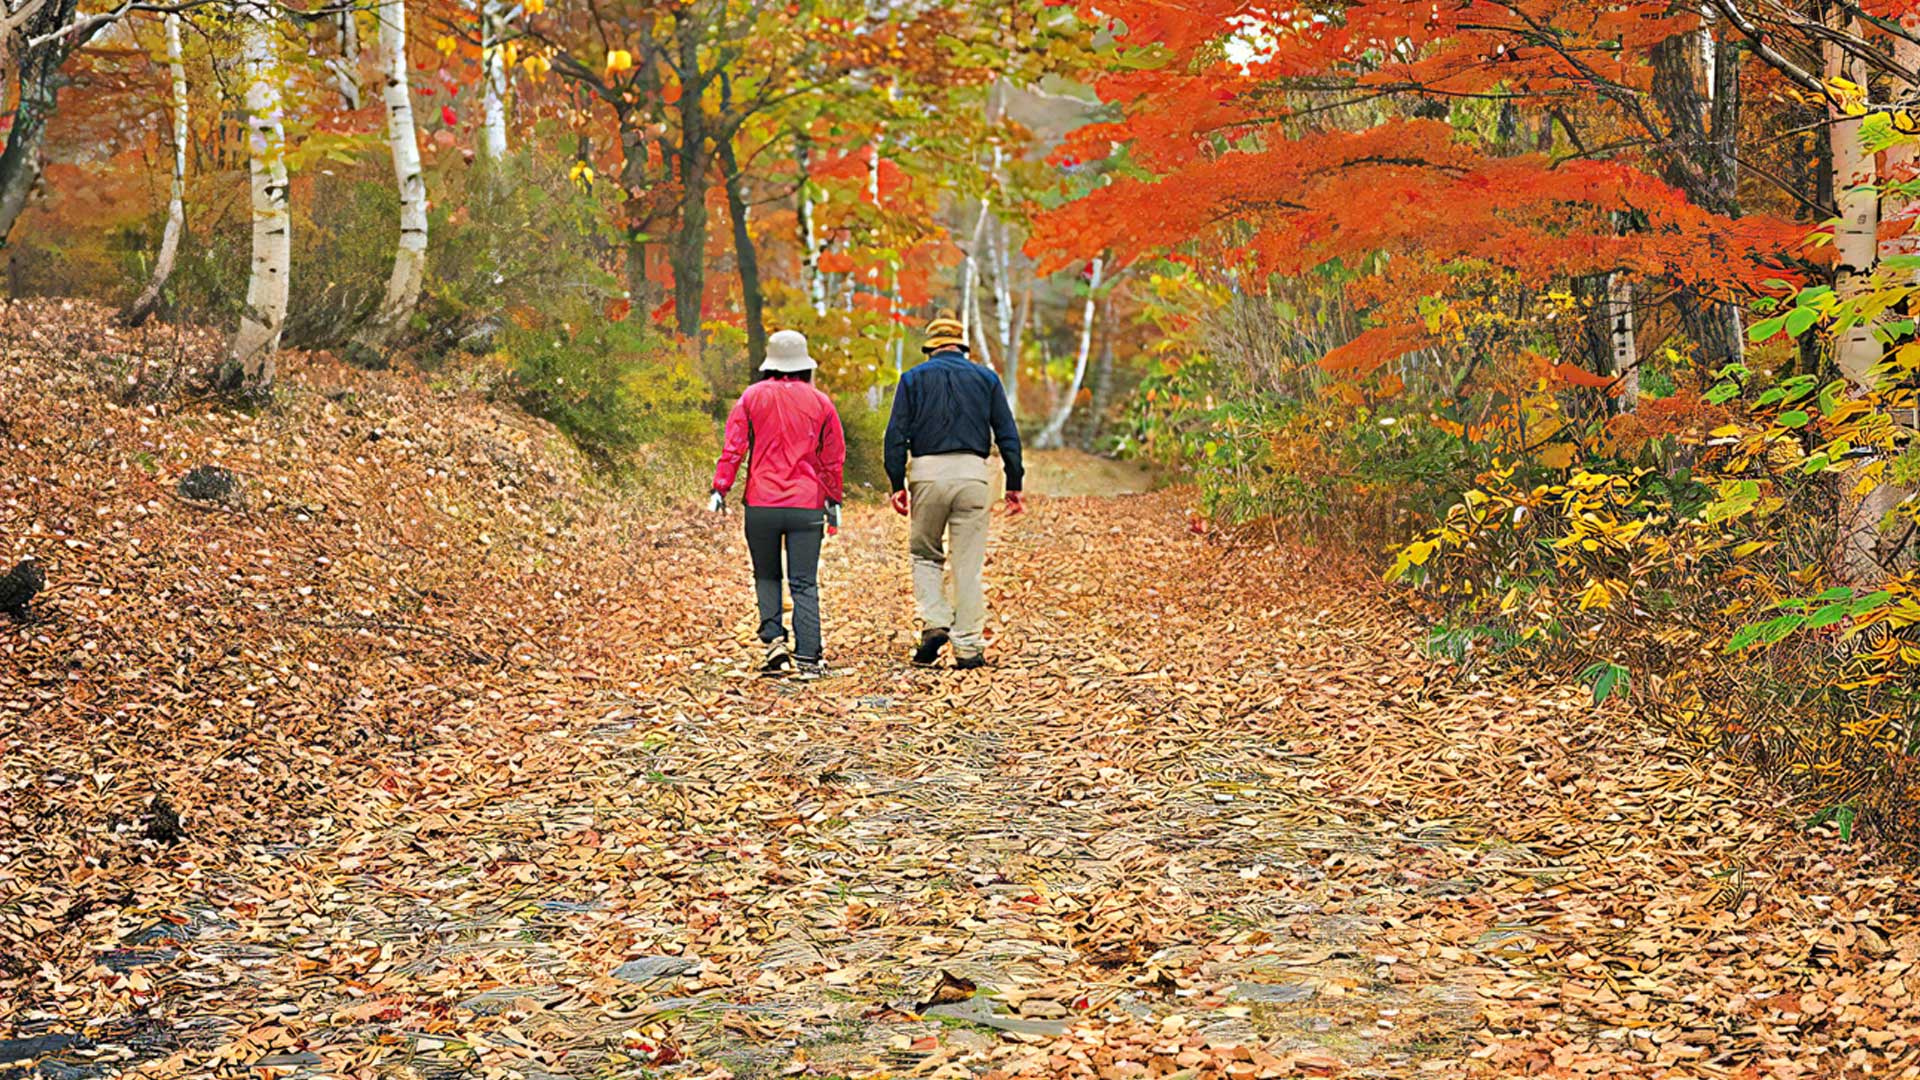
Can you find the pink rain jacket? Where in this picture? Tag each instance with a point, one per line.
(792, 434)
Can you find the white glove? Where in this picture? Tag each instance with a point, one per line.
(717, 504)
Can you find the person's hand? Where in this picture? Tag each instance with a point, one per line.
(902, 502)
(717, 503)
(833, 519)
(1016, 503)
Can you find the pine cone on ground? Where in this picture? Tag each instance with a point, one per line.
(210, 484)
(20, 586)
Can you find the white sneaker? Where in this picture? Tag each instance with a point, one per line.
(778, 658)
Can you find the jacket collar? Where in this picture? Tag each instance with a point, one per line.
(950, 353)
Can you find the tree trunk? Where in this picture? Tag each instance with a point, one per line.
(815, 281)
(752, 299)
(1013, 355)
(970, 274)
(982, 347)
(642, 294)
(689, 251)
(1096, 422)
(410, 255)
(40, 80)
(690, 243)
(1857, 353)
(346, 66)
(1696, 88)
(1620, 337)
(143, 305)
(493, 61)
(1050, 436)
(250, 355)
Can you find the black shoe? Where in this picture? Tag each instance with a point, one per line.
(931, 642)
(778, 658)
(969, 663)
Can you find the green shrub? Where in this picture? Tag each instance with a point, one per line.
(619, 390)
(866, 431)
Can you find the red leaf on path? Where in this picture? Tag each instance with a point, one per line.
(448, 116)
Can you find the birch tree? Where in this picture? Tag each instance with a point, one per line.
(1052, 436)
(816, 281)
(410, 255)
(345, 65)
(250, 355)
(493, 59)
(1856, 244)
(1620, 335)
(143, 305)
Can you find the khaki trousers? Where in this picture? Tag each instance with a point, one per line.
(951, 493)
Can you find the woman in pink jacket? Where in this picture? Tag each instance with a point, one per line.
(789, 434)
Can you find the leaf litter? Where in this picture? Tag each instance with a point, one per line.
(426, 760)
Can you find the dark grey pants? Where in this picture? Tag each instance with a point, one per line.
(799, 533)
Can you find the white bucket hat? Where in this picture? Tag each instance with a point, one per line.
(787, 352)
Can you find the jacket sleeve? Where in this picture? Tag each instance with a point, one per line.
(1006, 435)
(833, 454)
(733, 451)
(899, 439)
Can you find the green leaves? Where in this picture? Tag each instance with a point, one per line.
(1607, 680)
(1766, 329)
(1810, 306)
(1843, 815)
(1829, 608)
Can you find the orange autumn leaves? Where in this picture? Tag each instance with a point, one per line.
(1274, 147)
(1412, 189)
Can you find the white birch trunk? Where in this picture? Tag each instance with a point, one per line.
(809, 239)
(1012, 375)
(493, 61)
(1002, 267)
(1620, 331)
(410, 256)
(254, 342)
(346, 66)
(1857, 352)
(982, 346)
(1052, 436)
(1856, 241)
(969, 296)
(149, 298)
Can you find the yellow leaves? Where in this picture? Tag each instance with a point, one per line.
(1596, 597)
(618, 61)
(1849, 96)
(581, 174)
(1558, 455)
(446, 44)
(536, 66)
(534, 7)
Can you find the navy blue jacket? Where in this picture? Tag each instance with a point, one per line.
(951, 405)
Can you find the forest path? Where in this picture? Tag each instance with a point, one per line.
(1210, 811)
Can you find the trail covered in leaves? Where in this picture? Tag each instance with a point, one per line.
(470, 779)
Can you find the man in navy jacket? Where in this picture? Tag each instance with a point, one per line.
(948, 414)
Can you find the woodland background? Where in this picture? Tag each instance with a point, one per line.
(1590, 321)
